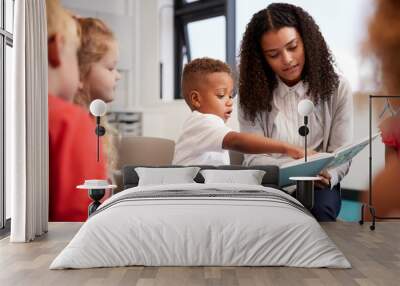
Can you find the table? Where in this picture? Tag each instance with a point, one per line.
(96, 193)
(305, 190)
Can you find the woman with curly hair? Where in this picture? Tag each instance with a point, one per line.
(284, 59)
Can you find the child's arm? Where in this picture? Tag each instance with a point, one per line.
(256, 144)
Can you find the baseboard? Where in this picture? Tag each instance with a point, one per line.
(351, 194)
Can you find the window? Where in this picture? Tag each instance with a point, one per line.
(203, 28)
(9, 13)
(6, 44)
(204, 44)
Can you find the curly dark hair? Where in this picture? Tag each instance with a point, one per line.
(257, 80)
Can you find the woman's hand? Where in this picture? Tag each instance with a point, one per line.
(325, 180)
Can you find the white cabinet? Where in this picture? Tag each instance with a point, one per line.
(126, 122)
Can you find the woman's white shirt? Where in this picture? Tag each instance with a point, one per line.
(288, 120)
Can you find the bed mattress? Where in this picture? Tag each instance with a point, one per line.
(201, 225)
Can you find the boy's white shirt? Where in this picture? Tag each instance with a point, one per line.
(201, 141)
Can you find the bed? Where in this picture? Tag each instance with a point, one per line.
(201, 224)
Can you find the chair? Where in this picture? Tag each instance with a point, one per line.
(236, 157)
(145, 151)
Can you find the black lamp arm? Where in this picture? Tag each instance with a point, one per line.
(303, 131)
(100, 131)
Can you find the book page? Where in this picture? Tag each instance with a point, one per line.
(363, 141)
(311, 158)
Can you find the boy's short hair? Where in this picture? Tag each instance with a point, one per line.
(60, 21)
(196, 70)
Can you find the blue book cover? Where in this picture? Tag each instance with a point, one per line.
(298, 168)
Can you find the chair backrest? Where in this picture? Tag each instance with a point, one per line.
(236, 158)
(144, 151)
(139, 150)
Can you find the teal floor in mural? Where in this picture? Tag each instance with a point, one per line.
(350, 211)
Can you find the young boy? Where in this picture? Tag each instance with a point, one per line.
(71, 130)
(207, 86)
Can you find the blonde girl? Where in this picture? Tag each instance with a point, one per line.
(98, 58)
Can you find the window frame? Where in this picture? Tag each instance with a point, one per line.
(6, 39)
(185, 13)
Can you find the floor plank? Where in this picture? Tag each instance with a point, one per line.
(374, 255)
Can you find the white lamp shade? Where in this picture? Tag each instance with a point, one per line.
(98, 107)
(305, 107)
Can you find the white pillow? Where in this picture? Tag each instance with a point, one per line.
(249, 177)
(164, 176)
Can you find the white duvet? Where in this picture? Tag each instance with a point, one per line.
(183, 231)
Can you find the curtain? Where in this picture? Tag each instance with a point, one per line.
(27, 124)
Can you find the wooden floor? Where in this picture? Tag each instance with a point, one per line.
(374, 255)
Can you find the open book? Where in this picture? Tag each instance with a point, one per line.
(320, 161)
